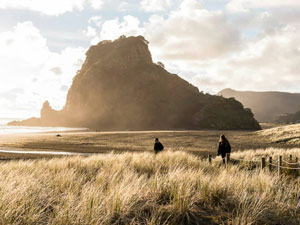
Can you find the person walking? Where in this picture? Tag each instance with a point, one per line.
(223, 147)
(158, 147)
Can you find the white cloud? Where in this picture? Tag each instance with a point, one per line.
(28, 66)
(155, 5)
(90, 32)
(188, 33)
(271, 62)
(245, 5)
(191, 33)
(96, 20)
(214, 52)
(112, 29)
(51, 7)
(268, 63)
(97, 4)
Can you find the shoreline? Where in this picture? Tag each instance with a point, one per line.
(10, 130)
(199, 142)
(89, 141)
(21, 152)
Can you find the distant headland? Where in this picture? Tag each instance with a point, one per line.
(119, 87)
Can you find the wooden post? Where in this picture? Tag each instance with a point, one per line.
(279, 165)
(291, 158)
(263, 163)
(296, 159)
(270, 162)
(209, 159)
(227, 158)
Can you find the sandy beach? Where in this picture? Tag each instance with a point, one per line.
(84, 142)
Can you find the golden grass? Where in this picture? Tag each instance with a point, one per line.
(139, 188)
(289, 134)
(257, 154)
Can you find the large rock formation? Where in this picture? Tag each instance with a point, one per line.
(120, 88)
(266, 106)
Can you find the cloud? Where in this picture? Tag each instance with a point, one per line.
(96, 20)
(188, 33)
(271, 62)
(64, 88)
(267, 63)
(51, 7)
(156, 5)
(90, 32)
(97, 4)
(27, 64)
(246, 5)
(112, 29)
(213, 51)
(192, 33)
(56, 70)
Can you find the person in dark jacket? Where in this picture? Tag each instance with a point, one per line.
(224, 147)
(158, 147)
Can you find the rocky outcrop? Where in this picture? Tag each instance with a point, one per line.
(120, 88)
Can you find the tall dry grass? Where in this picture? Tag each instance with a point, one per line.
(139, 188)
(283, 134)
(273, 152)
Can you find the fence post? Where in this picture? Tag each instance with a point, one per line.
(227, 158)
(279, 165)
(291, 158)
(209, 159)
(263, 163)
(270, 162)
(296, 159)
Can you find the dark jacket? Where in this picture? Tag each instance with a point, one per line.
(158, 147)
(224, 148)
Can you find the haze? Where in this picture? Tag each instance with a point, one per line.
(214, 44)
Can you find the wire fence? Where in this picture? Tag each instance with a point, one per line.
(284, 167)
(271, 163)
(290, 163)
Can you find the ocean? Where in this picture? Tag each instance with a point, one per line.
(4, 129)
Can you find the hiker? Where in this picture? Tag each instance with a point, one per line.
(224, 147)
(158, 147)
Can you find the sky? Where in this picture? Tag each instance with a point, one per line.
(214, 44)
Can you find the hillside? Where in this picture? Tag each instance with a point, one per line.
(289, 134)
(266, 106)
(288, 118)
(120, 88)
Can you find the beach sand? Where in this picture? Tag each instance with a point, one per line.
(197, 142)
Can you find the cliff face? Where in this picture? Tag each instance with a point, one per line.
(266, 106)
(119, 87)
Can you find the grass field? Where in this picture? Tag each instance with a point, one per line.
(139, 188)
(288, 135)
(178, 186)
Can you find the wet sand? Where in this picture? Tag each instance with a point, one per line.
(26, 152)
